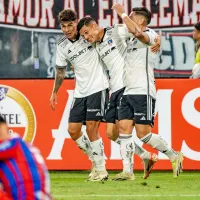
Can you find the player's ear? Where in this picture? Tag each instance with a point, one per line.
(94, 25)
(75, 22)
(199, 34)
(141, 21)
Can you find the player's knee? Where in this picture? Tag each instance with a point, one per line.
(126, 126)
(142, 130)
(92, 127)
(140, 134)
(123, 128)
(92, 131)
(73, 132)
(110, 135)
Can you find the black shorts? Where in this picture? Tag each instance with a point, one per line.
(140, 108)
(90, 108)
(111, 114)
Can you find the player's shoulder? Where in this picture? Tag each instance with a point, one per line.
(116, 30)
(118, 27)
(9, 143)
(109, 30)
(150, 31)
(62, 42)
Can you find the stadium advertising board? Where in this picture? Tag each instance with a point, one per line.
(25, 105)
(29, 31)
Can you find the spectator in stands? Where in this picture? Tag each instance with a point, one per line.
(196, 36)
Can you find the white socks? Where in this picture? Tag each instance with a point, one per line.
(158, 143)
(117, 141)
(84, 144)
(98, 154)
(142, 153)
(127, 149)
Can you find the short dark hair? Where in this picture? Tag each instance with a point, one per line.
(67, 15)
(2, 120)
(84, 21)
(197, 26)
(144, 12)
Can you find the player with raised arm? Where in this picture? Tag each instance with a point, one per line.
(90, 91)
(137, 107)
(111, 46)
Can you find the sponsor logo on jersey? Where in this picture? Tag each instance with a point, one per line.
(108, 52)
(80, 53)
(90, 48)
(98, 114)
(132, 49)
(143, 118)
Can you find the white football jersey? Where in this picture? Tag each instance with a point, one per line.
(89, 70)
(112, 50)
(140, 62)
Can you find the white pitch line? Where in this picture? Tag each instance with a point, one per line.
(128, 195)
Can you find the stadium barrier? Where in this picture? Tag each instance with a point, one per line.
(25, 105)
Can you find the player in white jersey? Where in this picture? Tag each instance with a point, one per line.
(111, 46)
(138, 103)
(90, 91)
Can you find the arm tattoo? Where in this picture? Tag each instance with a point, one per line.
(60, 75)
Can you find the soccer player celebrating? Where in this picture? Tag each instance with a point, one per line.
(111, 46)
(23, 174)
(138, 103)
(90, 91)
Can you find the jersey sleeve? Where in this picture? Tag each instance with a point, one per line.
(152, 37)
(122, 31)
(61, 60)
(8, 148)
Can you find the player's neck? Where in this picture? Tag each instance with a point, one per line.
(198, 41)
(101, 34)
(74, 37)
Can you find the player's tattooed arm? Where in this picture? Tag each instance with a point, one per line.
(60, 75)
(157, 42)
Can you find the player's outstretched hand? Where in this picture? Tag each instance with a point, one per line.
(53, 100)
(156, 47)
(118, 8)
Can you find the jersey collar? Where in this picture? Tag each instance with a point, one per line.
(104, 32)
(77, 38)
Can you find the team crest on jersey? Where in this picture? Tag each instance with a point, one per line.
(110, 42)
(135, 42)
(18, 112)
(83, 43)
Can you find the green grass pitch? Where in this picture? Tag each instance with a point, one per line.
(160, 185)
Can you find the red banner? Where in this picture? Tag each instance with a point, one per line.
(25, 104)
